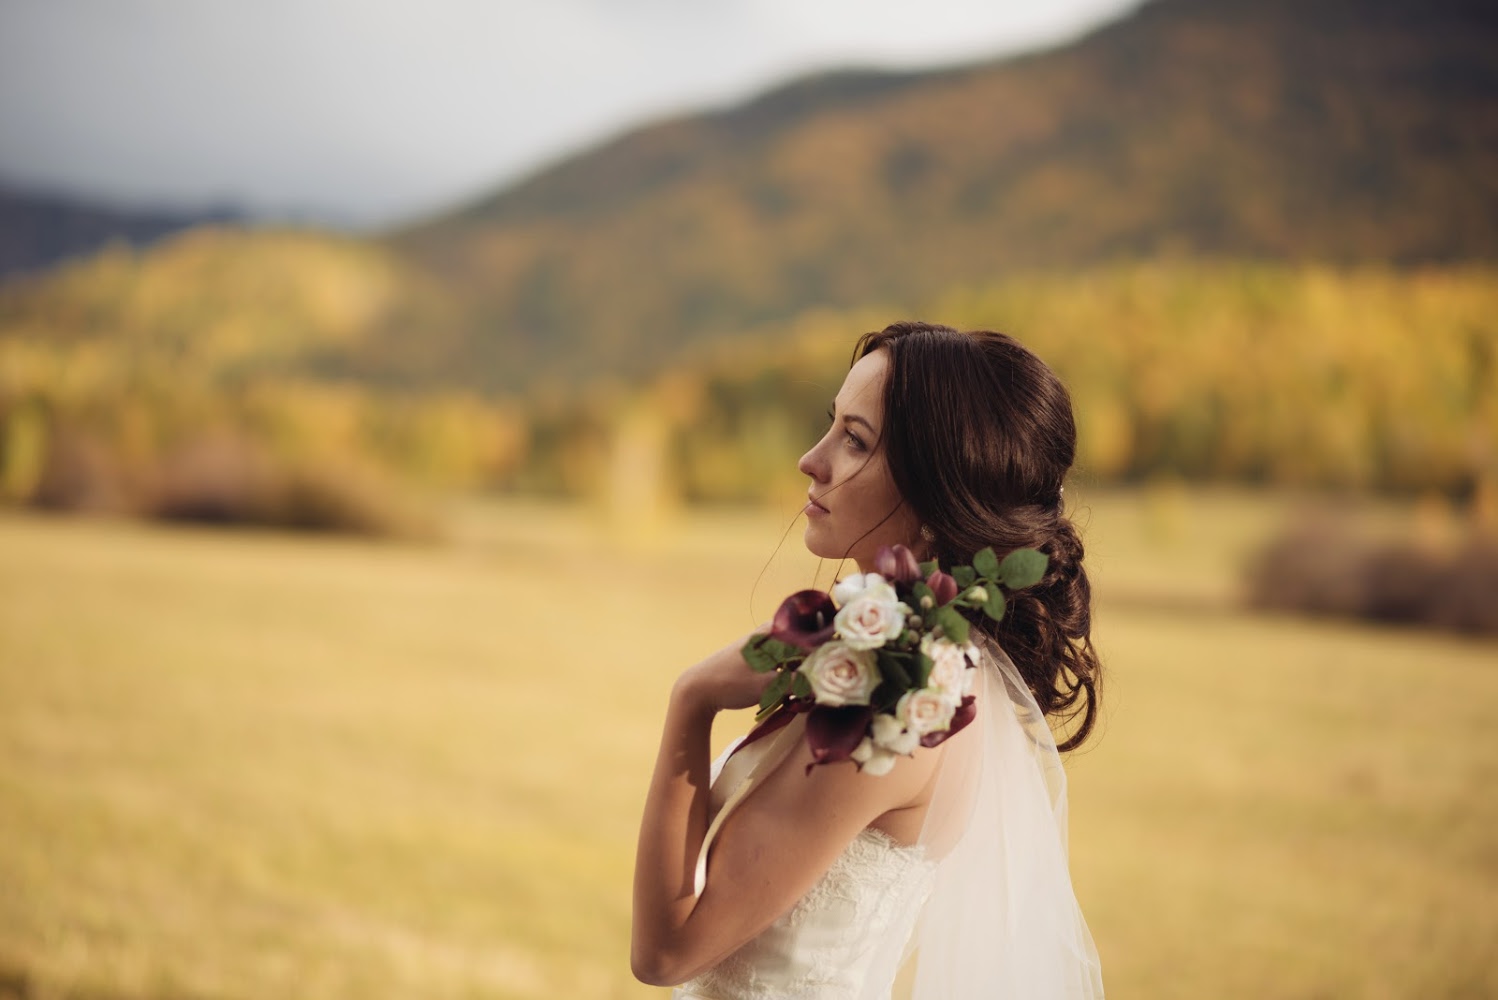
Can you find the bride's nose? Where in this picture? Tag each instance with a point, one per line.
(812, 464)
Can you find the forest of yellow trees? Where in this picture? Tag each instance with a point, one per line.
(1364, 378)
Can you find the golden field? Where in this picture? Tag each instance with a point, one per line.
(254, 765)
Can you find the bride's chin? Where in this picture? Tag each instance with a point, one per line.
(816, 542)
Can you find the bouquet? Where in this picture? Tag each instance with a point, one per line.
(882, 663)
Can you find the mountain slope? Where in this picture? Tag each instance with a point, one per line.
(1326, 129)
(38, 230)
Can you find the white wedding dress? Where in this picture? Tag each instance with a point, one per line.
(825, 947)
(983, 900)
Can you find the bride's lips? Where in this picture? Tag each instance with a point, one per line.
(812, 508)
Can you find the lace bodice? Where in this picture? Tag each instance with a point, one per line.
(824, 946)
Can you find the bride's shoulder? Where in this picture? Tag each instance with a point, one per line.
(799, 782)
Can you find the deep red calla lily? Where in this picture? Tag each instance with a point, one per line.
(897, 564)
(943, 586)
(804, 619)
(965, 713)
(834, 733)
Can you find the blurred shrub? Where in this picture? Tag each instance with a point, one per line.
(1325, 564)
(223, 478)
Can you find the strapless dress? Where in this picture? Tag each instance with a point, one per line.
(824, 947)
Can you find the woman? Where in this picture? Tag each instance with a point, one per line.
(945, 442)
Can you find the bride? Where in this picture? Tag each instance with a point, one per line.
(823, 881)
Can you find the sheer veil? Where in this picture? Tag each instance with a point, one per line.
(1002, 921)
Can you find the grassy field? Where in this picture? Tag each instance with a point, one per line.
(256, 765)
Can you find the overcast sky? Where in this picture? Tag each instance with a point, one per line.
(370, 111)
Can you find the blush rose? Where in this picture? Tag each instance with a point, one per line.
(872, 616)
(840, 674)
(926, 711)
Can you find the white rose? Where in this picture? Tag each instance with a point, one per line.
(926, 711)
(840, 674)
(871, 617)
(949, 670)
(890, 734)
(851, 586)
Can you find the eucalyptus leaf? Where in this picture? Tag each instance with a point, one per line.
(986, 563)
(994, 606)
(1023, 568)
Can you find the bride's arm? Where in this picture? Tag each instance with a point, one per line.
(770, 850)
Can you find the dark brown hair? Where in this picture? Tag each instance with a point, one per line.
(979, 435)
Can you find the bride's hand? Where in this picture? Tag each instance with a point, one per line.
(724, 680)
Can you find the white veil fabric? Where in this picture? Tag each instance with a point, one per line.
(1002, 921)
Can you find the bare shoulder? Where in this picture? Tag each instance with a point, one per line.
(824, 791)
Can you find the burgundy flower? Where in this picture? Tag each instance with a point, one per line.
(804, 619)
(960, 718)
(897, 564)
(834, 733)
(943, 586)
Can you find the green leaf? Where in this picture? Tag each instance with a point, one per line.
(1022, 568)
(965, 576)
(760, 660)
(923, 667)
(777, 689)
(764, 654)
(918, 591)
(929, 566)
(893, 671)
(800, 686)
(994, 606)
(953, 624)
(986, 563)
(783, 652)
(886, 696)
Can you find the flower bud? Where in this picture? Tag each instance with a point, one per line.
(976, 596)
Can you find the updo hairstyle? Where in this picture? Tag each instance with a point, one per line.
(979, 435)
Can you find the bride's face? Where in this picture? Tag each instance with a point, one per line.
(854, 507)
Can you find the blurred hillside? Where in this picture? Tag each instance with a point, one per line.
(1335, 130)
(1256, 239)
(38, 229)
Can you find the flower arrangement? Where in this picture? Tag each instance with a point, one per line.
(882, 664)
